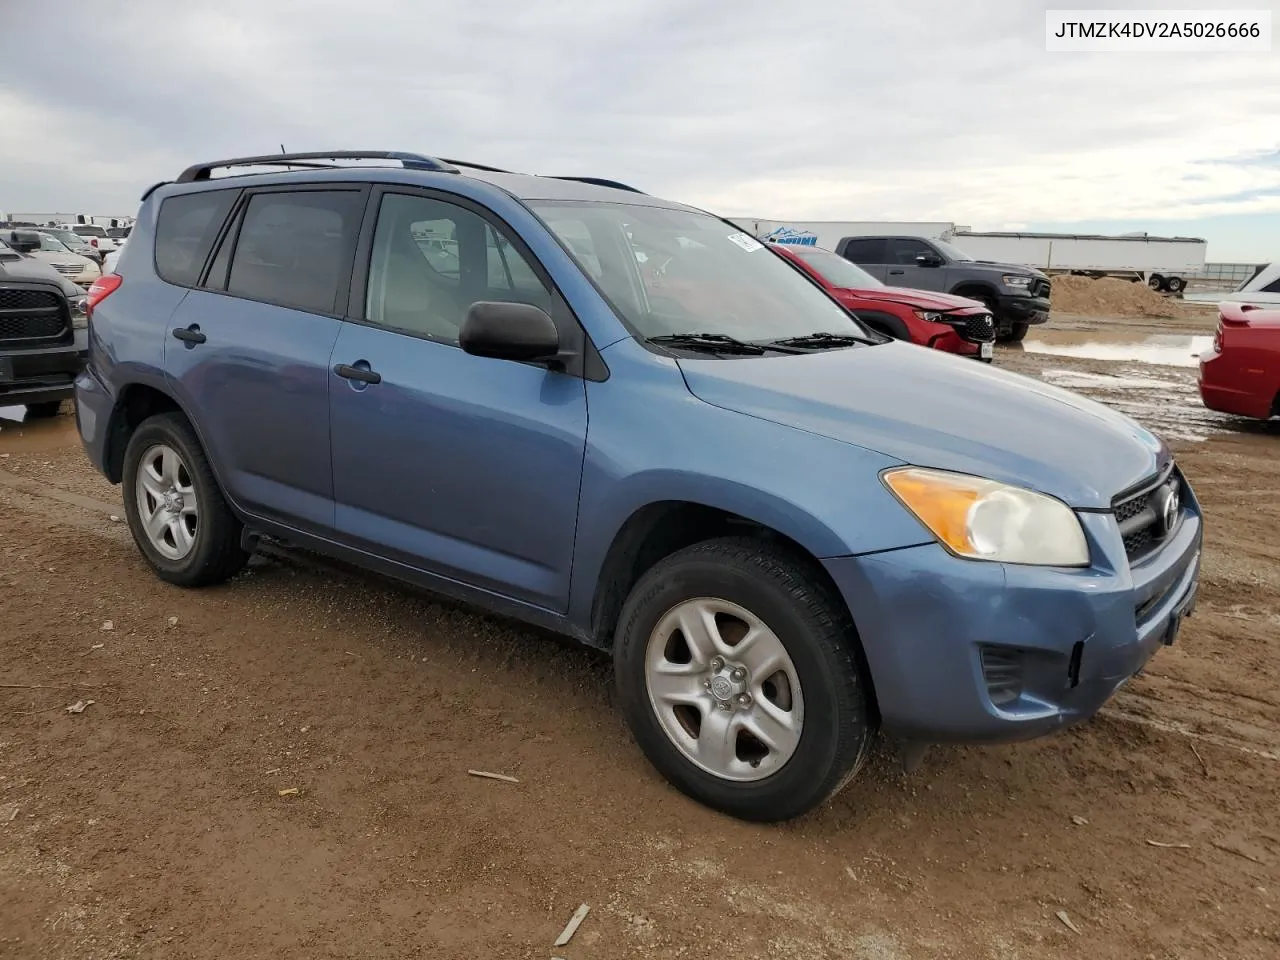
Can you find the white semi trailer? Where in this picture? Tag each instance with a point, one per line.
(1163, 263)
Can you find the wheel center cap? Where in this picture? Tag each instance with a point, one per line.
(173, 501)
(722, 687)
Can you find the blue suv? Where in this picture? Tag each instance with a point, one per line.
(624, 419)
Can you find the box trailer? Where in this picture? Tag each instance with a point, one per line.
(1163, 263)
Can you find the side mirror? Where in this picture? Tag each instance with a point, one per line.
(508, 331)
(929, 260)
(24, 241)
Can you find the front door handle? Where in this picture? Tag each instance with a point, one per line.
(190, 335)
(897, 273)
(363, 374)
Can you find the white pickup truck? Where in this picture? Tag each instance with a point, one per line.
(97, 236)
(1262, 289)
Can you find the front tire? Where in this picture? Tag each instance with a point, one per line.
(176, 511)
(739, 674)
(1014, 333)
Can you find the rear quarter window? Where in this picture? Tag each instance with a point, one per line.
(863, 251)
(185, 230)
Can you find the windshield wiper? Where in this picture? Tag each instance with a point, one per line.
(712, 342)
(821, 341)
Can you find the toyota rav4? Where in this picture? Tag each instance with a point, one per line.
(623, 419)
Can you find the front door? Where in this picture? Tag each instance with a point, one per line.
(905, 271)
(464, 467)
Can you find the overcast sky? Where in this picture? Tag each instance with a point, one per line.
(908, 110)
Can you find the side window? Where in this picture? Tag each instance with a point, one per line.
(293, 248)
(185, 230)
(432, 259)
(905, 251)
(1272, 287)
(864, 251)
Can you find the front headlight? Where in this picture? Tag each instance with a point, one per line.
(1017, 283)
(930, 315)
(985, 520)
(80, 312)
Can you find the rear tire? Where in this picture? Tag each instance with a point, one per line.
(762, 613)
(175, 508)
(1175, 284)
(44, 410)
(1156, 282)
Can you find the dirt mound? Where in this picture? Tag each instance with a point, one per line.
(1108, 297)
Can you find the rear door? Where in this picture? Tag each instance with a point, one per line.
(465, 467)
(248, 350)
(866, 252)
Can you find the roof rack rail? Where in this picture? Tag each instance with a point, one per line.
(601, 182)
(410, 161)
(474, 166)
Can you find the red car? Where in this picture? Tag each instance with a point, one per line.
(938, 320)
(1241, 373)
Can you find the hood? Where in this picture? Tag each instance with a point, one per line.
(919, 299)
(52, 257)
(994, 267)
(927, 408)
(28, 268)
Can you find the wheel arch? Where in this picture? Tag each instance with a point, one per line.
(967, 288)
(657, 530)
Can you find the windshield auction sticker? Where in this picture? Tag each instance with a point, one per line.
(746, 242)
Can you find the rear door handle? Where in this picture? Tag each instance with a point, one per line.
(363, 374)
(190, 335)
(896, 273)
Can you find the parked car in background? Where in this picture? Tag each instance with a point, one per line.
(79, 270)
(1240, 373)
(789, 531)
(1018, 297)
(118, 234)
(1262, 289)
(42, 329)
(97, 236)
(938, 320)
(111, 263)
(74, 242)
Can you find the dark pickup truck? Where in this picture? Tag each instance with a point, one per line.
(1017, 296)
(43, 336)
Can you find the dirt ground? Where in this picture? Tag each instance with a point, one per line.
(278, 767)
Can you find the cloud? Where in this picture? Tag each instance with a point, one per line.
(820, 110)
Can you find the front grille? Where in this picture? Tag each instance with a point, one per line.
(979, 329)
(1002, 671)
(68, 269)
(1040, 288)
(1140, 515)
(27, 314)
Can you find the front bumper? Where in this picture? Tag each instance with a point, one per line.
(41, 374)
(1012, 308)
(963, 650)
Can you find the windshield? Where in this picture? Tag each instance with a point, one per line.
(52, 244)
(67, 237)
(951, 250)
(117, 233)
(89, 230)
(835, 269)
(678, 271)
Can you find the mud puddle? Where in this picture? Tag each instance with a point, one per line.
(1168, 405)
(1168, 350)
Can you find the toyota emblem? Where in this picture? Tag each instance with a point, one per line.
(1168, 508)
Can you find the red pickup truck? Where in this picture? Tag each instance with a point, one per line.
(1240, 373)
(938, 320)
